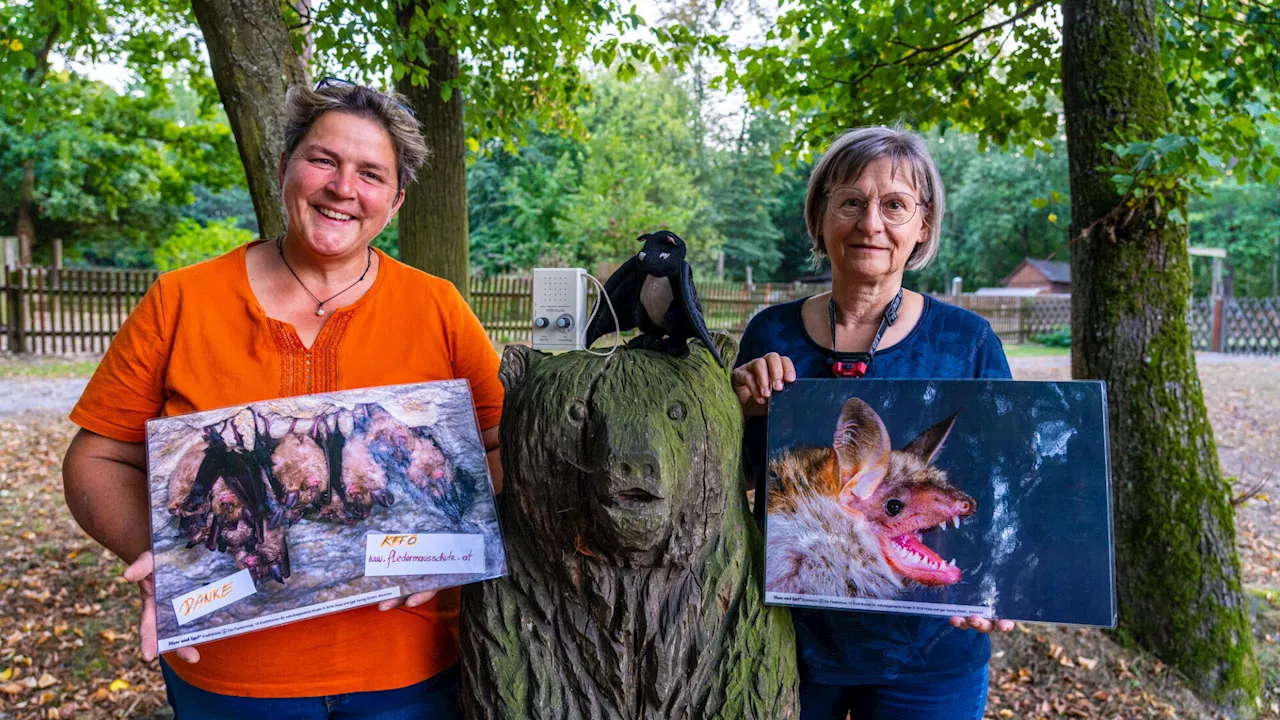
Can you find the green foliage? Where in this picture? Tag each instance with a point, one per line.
(1001, 207)
(233, 202)
(1244, 219)
(992, 69)
(634, 177)
(1060, 338)
(521, 60)
(111, 169)
(746, 194)
(515, 201)
(189, 243)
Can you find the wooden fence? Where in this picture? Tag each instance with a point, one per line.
(66, 311)
(79, 310)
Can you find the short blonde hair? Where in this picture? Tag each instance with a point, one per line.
(850, 154)
(303, 106)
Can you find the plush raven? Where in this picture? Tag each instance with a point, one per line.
(654, 291)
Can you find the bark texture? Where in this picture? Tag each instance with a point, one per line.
(433, 219)
(25, 223)
(1177, 571)
(635, 585)
(254, 64)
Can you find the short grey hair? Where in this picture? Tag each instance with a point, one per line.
(850, 154)
(303, 106)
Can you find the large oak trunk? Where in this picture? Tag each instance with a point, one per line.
(254, 63)
(634, 587)
(1178, 574)
(433, 219)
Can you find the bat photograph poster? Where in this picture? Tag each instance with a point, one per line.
(941, 497)
(288, 509)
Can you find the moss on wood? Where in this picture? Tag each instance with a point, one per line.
(635, 582)
(1178, 574)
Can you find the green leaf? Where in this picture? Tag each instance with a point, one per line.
(1039, 203)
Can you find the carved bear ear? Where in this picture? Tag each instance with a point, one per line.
(928, 444)
(728, 349)
(516, 359)
(862, 446)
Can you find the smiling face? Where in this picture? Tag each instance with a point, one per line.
(339, 185)
(869, 249)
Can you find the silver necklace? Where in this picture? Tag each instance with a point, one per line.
(320, 303)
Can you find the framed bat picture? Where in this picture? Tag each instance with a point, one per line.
(941, 497)
(288, 509)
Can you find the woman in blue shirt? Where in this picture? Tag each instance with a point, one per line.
(873, 209)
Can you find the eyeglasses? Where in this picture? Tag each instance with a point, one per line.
(851, 204)
(340, 83)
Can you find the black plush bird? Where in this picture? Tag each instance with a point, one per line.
(654, 292)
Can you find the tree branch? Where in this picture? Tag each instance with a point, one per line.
(35, 74)
(971, 36)
(952, 48)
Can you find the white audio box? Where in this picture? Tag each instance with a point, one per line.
(559, 308)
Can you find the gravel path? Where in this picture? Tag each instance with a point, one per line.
(57, 395)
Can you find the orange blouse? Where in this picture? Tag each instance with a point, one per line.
(199, 340)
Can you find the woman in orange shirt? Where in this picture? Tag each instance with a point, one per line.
(314, 311)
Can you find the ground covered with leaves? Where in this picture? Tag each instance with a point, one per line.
(68, 637)
(1051, 672)
(68, 640)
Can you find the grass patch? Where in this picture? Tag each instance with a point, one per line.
(1034, 350)
(46, 367)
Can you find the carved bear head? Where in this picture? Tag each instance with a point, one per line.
(634, 457)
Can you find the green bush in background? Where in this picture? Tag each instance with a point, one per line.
(1058, 338)
(190, 242)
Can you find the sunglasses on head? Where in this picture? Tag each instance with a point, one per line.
(340, 83)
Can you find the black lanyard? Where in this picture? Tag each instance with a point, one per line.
(854, 365)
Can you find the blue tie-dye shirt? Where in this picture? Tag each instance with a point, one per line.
(837, 647)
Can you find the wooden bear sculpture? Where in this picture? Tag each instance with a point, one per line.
(635, 567)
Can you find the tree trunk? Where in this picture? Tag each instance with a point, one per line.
(26, 225)
(635, 579)
(1178, 575)
(253, 64)
(433, 219)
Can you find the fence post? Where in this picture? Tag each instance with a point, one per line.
(14, 299)
(1216, 326)
(1024, 318)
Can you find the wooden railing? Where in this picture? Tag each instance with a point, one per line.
(79, 310)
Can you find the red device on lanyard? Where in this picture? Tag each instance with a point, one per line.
(854, 365)
(848, 369)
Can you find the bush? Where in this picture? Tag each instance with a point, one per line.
(1058, 338)
(189, 243)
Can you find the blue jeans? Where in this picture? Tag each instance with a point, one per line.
(963, 698)
(434, 698)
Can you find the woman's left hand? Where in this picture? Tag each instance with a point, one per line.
(413, 600)
(982, 625)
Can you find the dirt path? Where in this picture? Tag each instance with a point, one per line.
(54, 395)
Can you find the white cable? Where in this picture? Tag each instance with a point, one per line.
(616, 332)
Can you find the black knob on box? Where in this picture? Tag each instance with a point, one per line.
(541, 323)
(564, 322)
